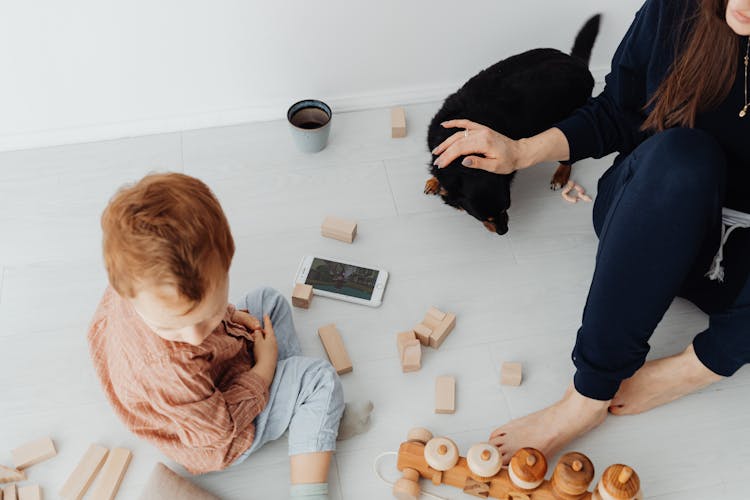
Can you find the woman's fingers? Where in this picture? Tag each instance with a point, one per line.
(462, 147)
(448, 142)
(477, 162)
(467, 124)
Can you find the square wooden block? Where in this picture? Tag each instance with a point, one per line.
(302, 295)
(445, 395)
(339, 229)
(423, 333)
(334, 346)
(511, 374)
(398, 123)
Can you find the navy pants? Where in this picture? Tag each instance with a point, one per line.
(658, 219)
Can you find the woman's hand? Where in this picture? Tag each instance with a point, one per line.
(501, 154)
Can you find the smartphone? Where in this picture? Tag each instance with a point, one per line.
(343, 280)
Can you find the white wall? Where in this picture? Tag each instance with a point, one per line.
(81, 70)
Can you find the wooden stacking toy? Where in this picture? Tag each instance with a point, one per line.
(481, 472)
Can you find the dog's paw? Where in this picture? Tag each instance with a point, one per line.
(432, 186)
(560, 177)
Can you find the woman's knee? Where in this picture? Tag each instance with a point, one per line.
(681, 162)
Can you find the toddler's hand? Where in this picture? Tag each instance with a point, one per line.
(244, 318)
(265, 348)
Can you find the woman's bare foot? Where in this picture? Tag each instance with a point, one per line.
(661, 381)
(550, 429)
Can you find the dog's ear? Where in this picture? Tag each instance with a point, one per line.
(432, 186)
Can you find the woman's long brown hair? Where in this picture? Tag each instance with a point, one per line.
(702, 74)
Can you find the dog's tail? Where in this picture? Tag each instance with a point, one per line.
(585, 39)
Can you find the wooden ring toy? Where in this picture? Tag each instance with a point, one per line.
(441, 453)
(484, 460)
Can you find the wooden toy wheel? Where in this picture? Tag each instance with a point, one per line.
(441, 453)
(407, 488)
(484, 460)
(573, 474)
(527, 468)
(419, 434)
(619, 482)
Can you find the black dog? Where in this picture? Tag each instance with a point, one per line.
(520, 96)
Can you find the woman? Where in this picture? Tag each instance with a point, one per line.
(674, 107)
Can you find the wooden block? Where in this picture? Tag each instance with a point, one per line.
(423, 333)
(335, 349)
(84, 473)
(302, 295)
(398, 123)
(445, 395)
(411, 359)
(31, 492)
(10, 492)
(440, 328)
(112, 473)
(404, 338)
(34, 452)
(339, 229)
(8, 475)
(511, 374)
(436, 313)
(409, 351)
(164, 484)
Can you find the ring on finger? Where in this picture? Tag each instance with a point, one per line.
(466, 132)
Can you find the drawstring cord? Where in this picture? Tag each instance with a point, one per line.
(730, 220)
(377, 473)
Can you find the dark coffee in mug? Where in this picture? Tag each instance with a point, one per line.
(309, 118)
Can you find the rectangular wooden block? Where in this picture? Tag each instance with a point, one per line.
(511, 374)
(112, 474)
(84, 473)
(302, 295)
(445, 395)
(409, 351)
(398, 123)
(423, 333)
(411, 359)
(8, 475)
(34, 452)
(10, 492)
(334, 346)
(31, 492)
(339, 229)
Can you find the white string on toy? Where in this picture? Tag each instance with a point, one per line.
(730, 220)
(377, 473)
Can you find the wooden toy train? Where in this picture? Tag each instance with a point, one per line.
(481, 472)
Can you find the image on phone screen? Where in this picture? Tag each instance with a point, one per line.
(344, 279)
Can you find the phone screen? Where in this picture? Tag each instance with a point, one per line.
(344, 279)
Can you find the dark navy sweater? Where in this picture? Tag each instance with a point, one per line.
(611, 121)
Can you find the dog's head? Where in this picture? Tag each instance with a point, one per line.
(483, 195)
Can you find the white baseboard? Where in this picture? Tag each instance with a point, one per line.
(219, 118)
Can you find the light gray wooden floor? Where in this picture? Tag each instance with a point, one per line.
(517, 297)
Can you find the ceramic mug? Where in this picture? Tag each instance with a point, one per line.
(310, 123)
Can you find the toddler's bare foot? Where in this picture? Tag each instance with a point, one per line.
(661, 381)
(552, 428)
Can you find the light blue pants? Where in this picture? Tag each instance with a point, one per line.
(306, 395)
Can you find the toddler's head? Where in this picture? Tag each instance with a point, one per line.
(167, 249)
